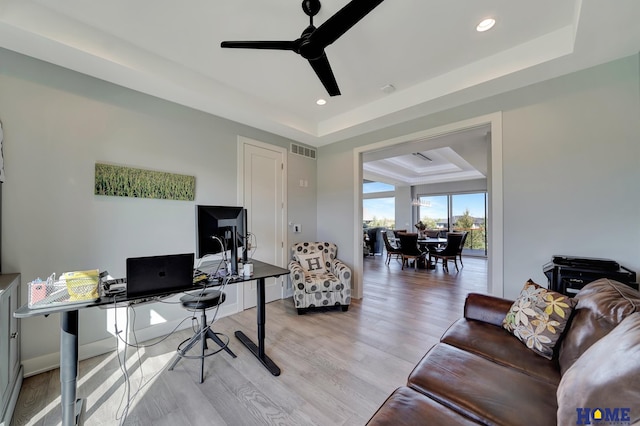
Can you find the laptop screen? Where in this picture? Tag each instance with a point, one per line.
(159, 275)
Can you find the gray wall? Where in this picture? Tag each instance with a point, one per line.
(570, 165)
(302, 198)
(58, 124)
(570, 170)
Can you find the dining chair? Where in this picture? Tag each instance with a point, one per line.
(432, 233)
(398, 231)
(409, 249)
(391, 250)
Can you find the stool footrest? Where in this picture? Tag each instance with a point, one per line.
(201, 336)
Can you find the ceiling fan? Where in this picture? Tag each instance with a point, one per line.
(311, 44)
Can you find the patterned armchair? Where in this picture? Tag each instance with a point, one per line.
(319, 279)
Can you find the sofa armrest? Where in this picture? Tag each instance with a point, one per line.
(485, 308)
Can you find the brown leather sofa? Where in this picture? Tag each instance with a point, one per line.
(481, 374)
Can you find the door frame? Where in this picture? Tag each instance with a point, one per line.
(495, 225)
(242, 141)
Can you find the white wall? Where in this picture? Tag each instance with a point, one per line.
(58, 124)
(570, 169)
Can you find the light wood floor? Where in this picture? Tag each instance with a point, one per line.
(337, 367)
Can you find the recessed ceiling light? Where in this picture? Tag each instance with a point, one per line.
(321, 102)
(486, 24)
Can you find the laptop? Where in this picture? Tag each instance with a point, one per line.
(159, 275)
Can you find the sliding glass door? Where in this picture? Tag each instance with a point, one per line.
(433, 211)
(468, 213)
(458, 212)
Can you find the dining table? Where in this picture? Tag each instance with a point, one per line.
(431, 243)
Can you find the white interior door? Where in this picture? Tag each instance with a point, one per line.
(264, 198)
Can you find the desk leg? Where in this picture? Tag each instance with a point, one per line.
(71, 408)
(258, 350)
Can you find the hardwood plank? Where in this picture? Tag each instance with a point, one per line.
(337, 367)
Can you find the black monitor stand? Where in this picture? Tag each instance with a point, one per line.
(234, 250)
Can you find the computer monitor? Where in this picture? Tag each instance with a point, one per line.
(227, 223)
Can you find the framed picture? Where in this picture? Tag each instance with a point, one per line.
(121, 181)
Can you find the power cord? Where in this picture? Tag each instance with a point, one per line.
(251, 241)
(123, 412)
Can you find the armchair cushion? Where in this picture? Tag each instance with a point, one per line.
(311, 261)
(320, 281)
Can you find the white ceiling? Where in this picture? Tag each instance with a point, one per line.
(455, 156)
(428, 49)
(443, 165)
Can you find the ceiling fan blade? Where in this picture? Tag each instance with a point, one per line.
(274, 45)
(342, 21)
(325, 74)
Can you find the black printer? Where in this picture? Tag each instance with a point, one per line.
(568, 274)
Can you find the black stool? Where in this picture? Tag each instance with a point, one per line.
(201, 302)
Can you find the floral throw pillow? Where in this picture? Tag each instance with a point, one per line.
(538, 317)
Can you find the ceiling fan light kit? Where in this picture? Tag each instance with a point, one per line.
(312, 42)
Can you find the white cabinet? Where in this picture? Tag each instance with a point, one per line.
(10, 368)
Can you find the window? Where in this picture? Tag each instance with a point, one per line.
(378, 205)
(379, 212)
(371, 187)
(434, 211)
(458, 212)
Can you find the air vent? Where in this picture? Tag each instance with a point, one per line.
(303, 151)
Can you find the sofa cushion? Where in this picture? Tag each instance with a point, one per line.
(605, 377)
(538, 317)
(601, 306)
(483, 390)
(408, 407)
(498, 345)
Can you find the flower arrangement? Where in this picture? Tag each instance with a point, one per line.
(420, 226)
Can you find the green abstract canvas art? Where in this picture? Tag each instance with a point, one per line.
(120, 181)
